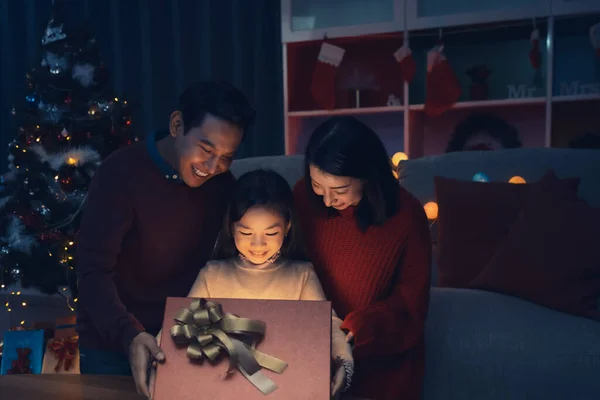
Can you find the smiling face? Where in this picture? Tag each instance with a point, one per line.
(259, 234)
(339, 192)
(206, 150)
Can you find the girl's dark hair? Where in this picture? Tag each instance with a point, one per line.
(492, 125)
(345, 146)
(264, 188)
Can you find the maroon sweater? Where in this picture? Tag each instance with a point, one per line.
(378, 283)
(144, 236)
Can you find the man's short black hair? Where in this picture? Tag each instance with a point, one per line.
(219, 99)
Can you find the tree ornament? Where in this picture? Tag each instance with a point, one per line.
(54, 32)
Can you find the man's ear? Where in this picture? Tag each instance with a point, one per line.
(176, 124)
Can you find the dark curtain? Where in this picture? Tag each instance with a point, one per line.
(153, 49)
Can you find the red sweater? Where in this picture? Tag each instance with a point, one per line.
(144, 236)
(378, 282)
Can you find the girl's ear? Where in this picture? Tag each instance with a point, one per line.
(288, 227)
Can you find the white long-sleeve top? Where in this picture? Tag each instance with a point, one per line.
(281, 280)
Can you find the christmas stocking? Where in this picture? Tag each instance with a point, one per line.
(534, 53)
(443, 88)
(407, 63)
(595, 37)
(324, 75)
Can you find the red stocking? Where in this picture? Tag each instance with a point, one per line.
(324, 75)
(407, 63)
(443, 88)
(534, 53)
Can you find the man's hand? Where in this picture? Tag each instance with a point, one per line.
(339, 379)
(143, 348)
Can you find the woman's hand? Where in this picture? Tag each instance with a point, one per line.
(339, 378)
(350, 337)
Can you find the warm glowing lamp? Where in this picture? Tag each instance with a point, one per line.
(71, 161)
(431, 209)
(398, 158)
(517, 179)
(481, 177)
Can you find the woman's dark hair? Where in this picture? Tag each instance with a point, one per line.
(345, 146)
(492, 125)
(265, 188)
(219, 99)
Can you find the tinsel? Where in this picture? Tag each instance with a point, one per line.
(67, 123)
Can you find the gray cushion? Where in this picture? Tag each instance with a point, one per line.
(530, 163)
(484, 345)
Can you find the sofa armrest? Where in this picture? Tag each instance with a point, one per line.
(484, 345)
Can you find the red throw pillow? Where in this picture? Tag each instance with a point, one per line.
(550, 256)
(473, 218)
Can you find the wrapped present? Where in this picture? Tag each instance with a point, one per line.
(62, 356)
(62, 351)
(253, 349)
(22, 352)
(65, 327)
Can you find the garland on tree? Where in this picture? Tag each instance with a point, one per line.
(68, 123)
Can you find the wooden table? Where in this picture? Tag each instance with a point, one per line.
(67, 387)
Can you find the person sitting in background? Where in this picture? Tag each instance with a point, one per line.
(587, 141)
(483, 132)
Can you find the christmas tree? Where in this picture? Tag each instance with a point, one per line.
(68, 122)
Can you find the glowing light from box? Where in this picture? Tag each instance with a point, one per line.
(481, 177)
(517, 179)
(398, 158)
(431, 209)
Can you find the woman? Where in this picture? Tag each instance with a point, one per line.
(369, 241)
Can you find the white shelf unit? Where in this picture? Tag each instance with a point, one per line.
(410, 124)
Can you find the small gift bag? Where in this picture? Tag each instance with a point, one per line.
(245, 349)
(62, 351)
(23, 352)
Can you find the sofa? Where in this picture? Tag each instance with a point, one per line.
(481, 344)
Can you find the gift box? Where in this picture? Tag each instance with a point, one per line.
(22, 352)
(226, 349)
(62, 351)
(65, 327)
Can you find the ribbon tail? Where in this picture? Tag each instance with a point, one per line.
(260, 381)
(269, 362)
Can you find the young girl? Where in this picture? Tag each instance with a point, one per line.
(257, 257)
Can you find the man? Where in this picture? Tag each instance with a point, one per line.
(150, 221)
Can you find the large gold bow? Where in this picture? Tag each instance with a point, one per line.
(206, 329)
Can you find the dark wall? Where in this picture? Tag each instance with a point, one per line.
(153, 49)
